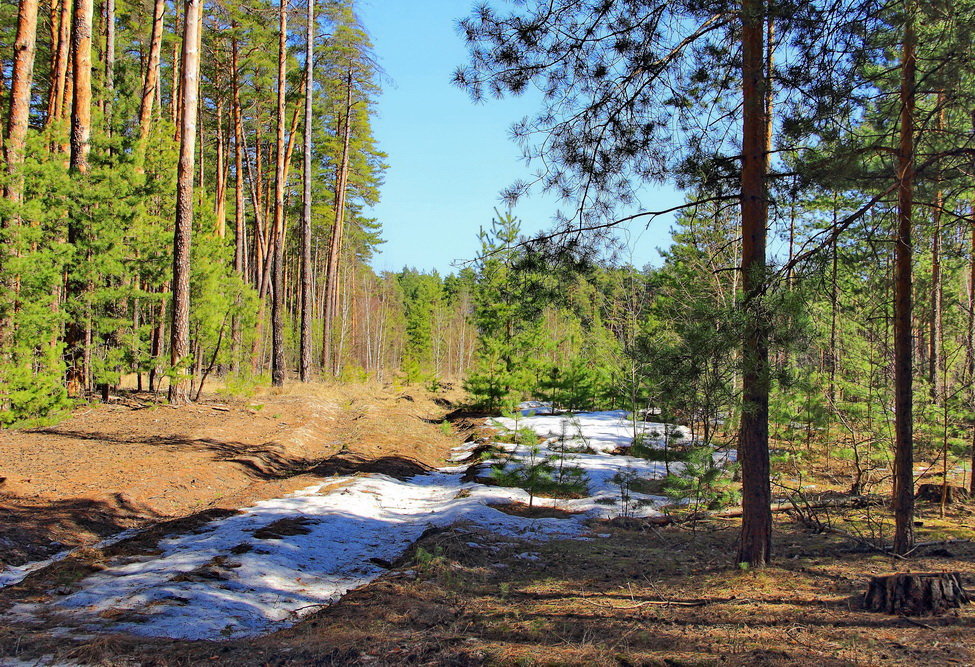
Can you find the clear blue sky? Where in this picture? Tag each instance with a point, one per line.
(448, 157)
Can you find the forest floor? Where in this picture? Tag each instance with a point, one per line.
(135, 461)
(633, 593)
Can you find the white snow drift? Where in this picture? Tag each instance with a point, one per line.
(225, 581)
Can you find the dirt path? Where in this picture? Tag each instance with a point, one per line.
(134, 462)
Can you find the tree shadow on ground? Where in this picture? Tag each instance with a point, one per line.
(266, 461)
(33, 530)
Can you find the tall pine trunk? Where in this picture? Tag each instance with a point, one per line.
(22, 78)
(220, 205)
(970, 342)
(61, 13)
(277, 240)
(180, 335)
(935, 351)
(150, 79)
(755, 544)
(903, 303)
(240, 222)
(329, 358)
(305, 352)
(76, 336)
(109, 92)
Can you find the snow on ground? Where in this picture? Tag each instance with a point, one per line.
(14, 574)
(225, 581)
(284, 558)
(602, 432)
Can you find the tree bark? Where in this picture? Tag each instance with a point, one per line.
(61, 58)
(81, 101)
(21, 81)
(277, 279)
(220, 205)
(240, 220)
(109, 91)
(22, 78)
(937, 293)
(76, 330)
(175, 101)
(936, 376)
(755, 546)
(903, 304)
(335, 243)
(179, 341)
(150, 82)
(240, 229)
(916, 594)
(970, 343)
(305, 352)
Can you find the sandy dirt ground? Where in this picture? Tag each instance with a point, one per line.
(134, 461)
(635, 594)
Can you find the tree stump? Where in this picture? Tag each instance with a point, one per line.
(932, 493)
(916, 594)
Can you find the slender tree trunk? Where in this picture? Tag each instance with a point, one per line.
(936, 377)
(937, 296)
(903, 306)
(76, 328)
(277, 280)
(21, 81)
(54, 23)
(970, 342)
(832, 354)
(109, 91)
(220, 205)
(150, 81)
(175, 101)
(240, 221)
(61, 58)
(156, 344)
(755, 546)
(304, 363)
(261, 235)
(81, 101)
(179, 345)
(335, 243)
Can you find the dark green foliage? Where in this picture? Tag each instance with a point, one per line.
(700, 482)
(541, 475)
(423, 294)
(507, 305)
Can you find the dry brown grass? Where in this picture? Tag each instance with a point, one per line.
(627, 597)
(635, 594)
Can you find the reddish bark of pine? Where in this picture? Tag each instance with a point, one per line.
(277, 280)
(21, 81)
(179, 341)
(304, 361)
(903, 307)
(329, 357)
(150, 80)
(755, 545)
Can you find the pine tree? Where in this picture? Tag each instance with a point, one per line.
(190, 84)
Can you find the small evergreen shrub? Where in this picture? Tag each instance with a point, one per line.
(700, 483)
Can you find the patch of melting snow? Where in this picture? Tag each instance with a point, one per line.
(15, 574)
(284, 558)
(601, 432)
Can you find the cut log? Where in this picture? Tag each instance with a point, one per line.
(915, 594)
(932, 493)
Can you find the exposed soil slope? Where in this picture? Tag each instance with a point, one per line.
(133, 461)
